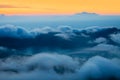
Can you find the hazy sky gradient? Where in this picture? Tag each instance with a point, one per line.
(13, 7)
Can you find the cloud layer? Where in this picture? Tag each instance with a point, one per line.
(46, 66)
(90, 53)
(63, 38)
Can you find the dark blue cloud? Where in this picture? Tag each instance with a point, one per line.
(62, 38)
(69, 53)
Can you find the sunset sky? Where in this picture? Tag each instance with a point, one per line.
(32, 7)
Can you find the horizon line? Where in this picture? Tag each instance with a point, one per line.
(57, 14)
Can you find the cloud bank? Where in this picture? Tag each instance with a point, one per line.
(63, 38)
(63, 53)
(58, 67)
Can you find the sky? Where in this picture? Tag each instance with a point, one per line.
(34, 7)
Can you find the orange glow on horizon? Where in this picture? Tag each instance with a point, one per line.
(36, 7)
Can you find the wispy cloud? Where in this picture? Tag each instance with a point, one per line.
(11, 6)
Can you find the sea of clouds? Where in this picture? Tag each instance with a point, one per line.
(16, 40)
(45, 66)
(62, 53)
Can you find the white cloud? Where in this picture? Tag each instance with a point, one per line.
(105, 48)
(13, 31)
(116, 38)
(42, 66)
(100, 40)
(99, 68)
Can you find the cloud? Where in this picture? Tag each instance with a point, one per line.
(63, 38)
(40, 66)
(100, 68)
(116, 38)
(13, 31)
(10, 6)
(47, 66)
(100, 40)
(105, 48)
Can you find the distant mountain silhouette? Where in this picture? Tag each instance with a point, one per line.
(2, 15)
(87, 13)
